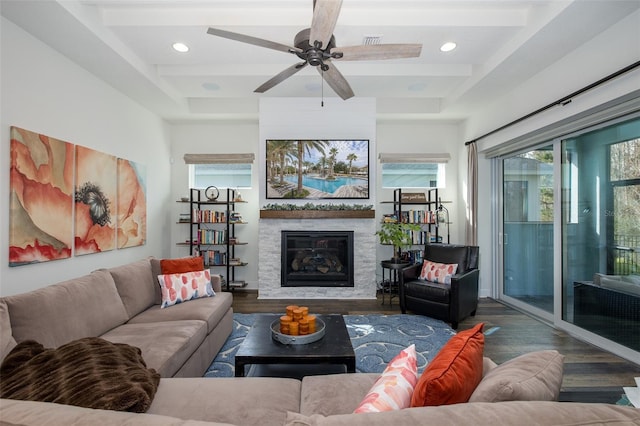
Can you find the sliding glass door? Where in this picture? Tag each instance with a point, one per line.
(528, 228)
(587, 195)
(601, 232)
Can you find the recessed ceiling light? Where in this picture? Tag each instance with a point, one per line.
(448, 46)
(180, 47)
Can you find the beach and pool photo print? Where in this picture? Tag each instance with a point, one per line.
(317, 169)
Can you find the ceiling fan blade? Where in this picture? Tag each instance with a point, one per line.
(251, 40)
(325, 16)
(279, 78)
(336, 80)
(378, 51)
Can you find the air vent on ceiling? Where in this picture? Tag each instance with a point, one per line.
(372, 39)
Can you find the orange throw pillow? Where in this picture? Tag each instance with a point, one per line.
(455, 371)
(181, 265)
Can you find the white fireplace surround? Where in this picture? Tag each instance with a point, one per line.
(269, 265)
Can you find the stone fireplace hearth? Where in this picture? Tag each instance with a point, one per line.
(364, 264)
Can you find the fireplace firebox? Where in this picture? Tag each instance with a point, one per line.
(317, 259)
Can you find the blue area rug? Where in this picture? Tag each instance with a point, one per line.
(376, 339)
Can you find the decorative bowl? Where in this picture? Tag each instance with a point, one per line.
(288, 339)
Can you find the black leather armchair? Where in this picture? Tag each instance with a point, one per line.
(448, 302)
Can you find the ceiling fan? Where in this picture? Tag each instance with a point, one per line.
(316, 46)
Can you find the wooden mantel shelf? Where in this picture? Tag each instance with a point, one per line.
(317, 214)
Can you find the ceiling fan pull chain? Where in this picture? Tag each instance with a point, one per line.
(322, 88)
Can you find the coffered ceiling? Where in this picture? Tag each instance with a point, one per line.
(128, 44)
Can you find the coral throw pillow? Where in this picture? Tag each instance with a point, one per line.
(452, 376)
(178, 288)
(393, 390)
(181, 265)
(437, 272)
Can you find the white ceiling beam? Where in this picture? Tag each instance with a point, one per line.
(187, 15)
(420, 70)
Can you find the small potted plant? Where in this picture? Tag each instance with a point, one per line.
(398, 235)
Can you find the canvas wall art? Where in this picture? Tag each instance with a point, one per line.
(132, 204)
(95, 196)
(41, 198)
(317, 169)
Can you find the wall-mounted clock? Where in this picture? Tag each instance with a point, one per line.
(211, 193)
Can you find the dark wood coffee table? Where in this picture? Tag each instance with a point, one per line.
(331, 354)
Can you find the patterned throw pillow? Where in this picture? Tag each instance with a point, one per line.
(437, 272)
(393, 390)
(178, 288)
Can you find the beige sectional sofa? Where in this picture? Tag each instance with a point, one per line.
(122, 305)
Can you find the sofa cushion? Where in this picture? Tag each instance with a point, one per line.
(185, 286)
(135, 285)
(534, 376)
(437, 272)
(31, 413)
(260, 401)
(454, 372)
(334, 393)
(394, 387)
(182, 264)
(165, 346)
(209, 309)
(86, 306)
(625, 285)
(427, 290)
(89, 372)
(7, 342)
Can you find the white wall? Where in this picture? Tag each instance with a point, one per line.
(245, 136)
(423, 137)
(44, 92)
(217, 138)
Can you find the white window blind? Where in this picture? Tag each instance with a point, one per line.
(219, 158)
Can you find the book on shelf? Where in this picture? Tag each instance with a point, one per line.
(212, 236)
(413, 256)
(214, 257)
(209, 216)
(418, 216)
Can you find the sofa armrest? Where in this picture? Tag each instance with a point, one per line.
(216, 283)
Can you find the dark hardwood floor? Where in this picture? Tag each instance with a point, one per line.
(586, 367)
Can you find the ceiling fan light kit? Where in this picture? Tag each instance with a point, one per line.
(315, 46)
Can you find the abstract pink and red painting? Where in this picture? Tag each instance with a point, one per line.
(96, 191)
(41, 191)
(132, 204)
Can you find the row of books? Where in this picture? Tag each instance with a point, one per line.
(212, 236)
(423, 237)
(212, 257)
(209, 216)
(418, 216)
